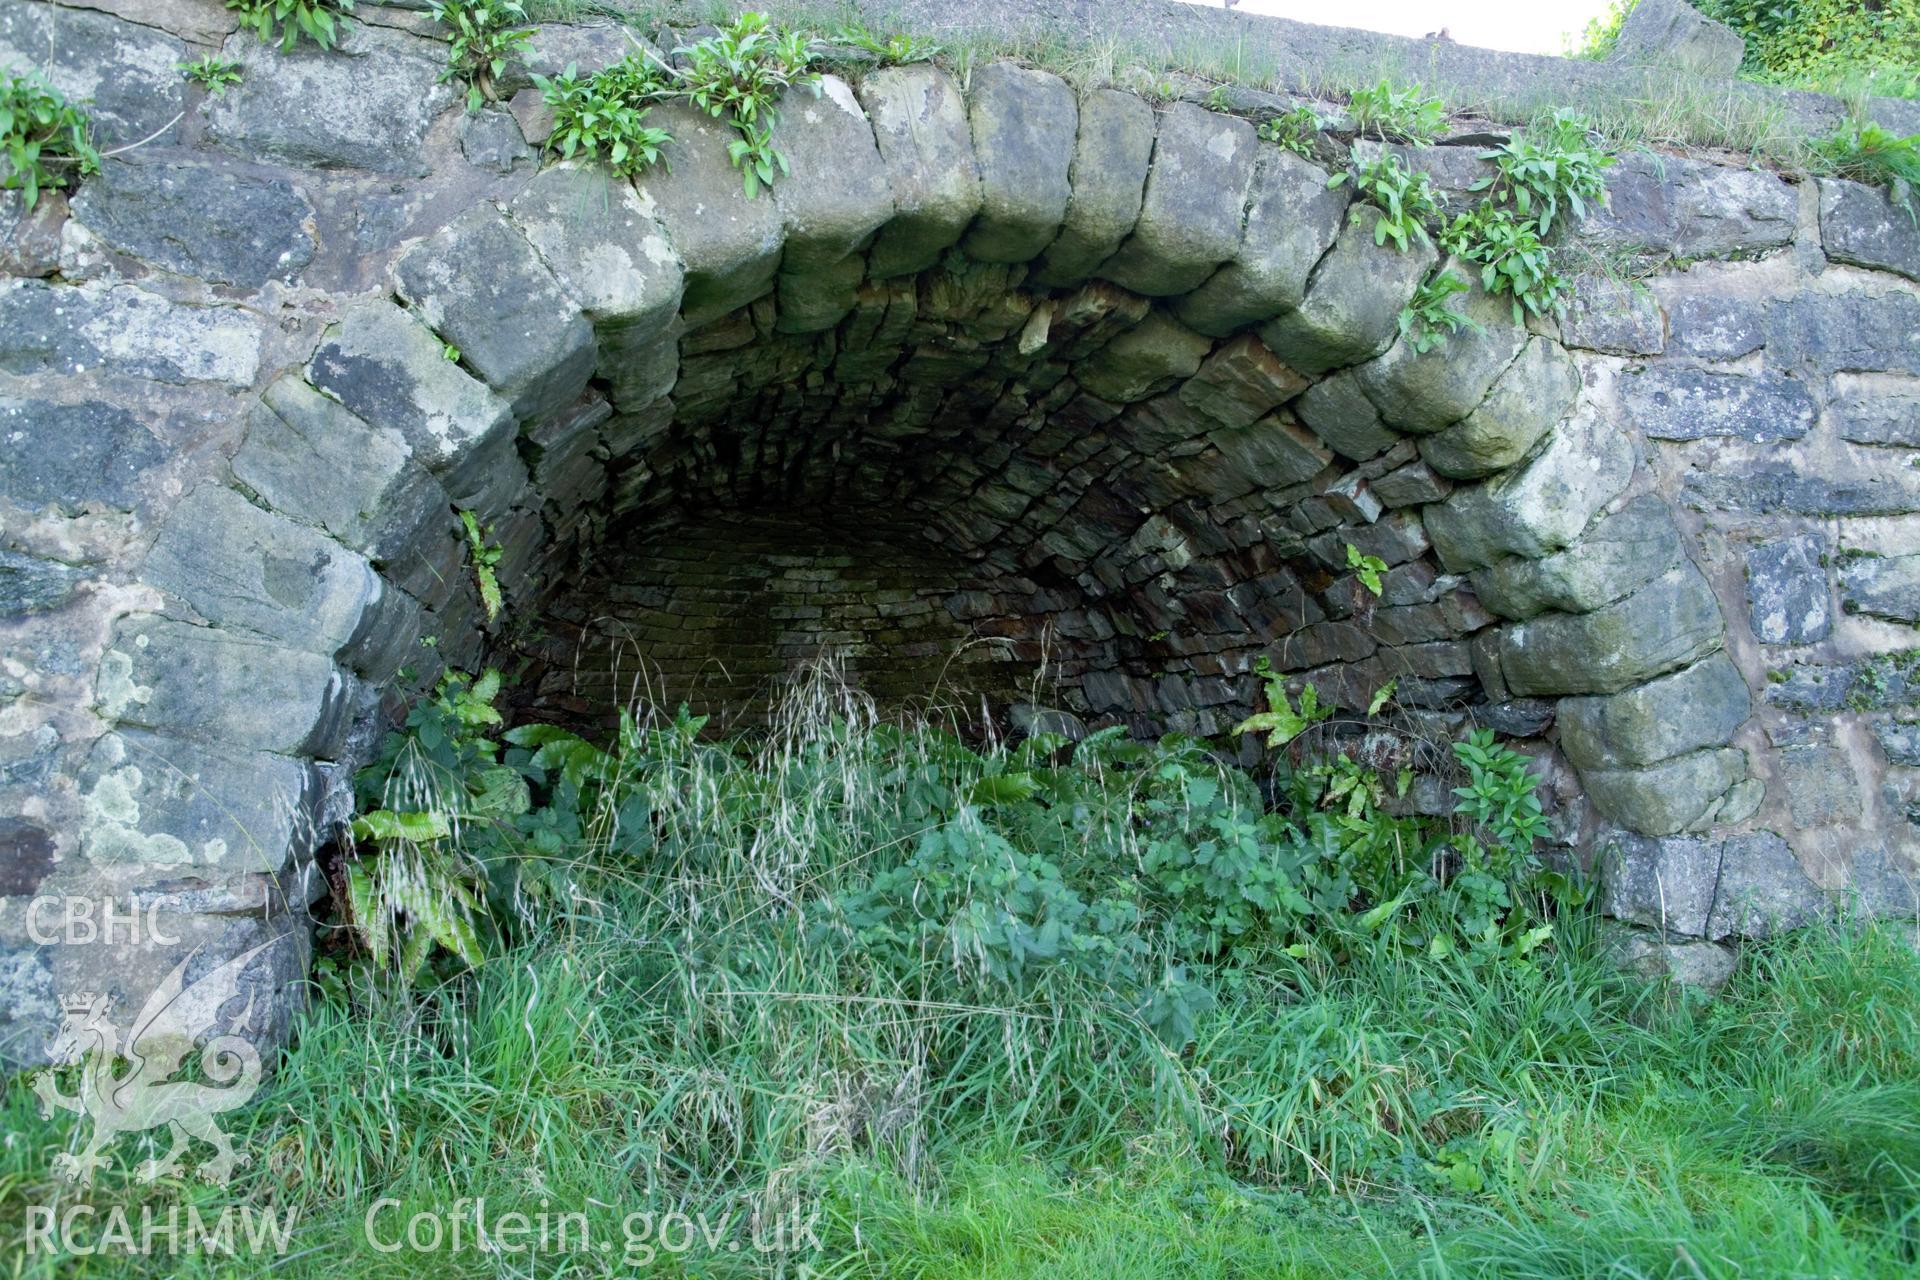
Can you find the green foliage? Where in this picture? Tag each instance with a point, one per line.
(45, 141)
(212, 73)
(1512, 258)
(1865, 152)
(485, 556)
(1281, 722)
(739, 75)
(1597, 39)
(1404, 196)
(1546, 168)
(1426, 321)
(287, 22)
(486, 33)
(1294, 130)
(1366, 568)
(604, 116)
(1824, 44)
(890, 50)
(1397, 115)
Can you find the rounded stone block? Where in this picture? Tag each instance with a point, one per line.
(1192, 212)
(1109, 176)
(1534, 393)
(1340, 413)
(1424, 391)
(1693, 708)
(1292, 219)
(729, 246)
(593, 232)
(478, 283)
(836, 193)
(1620, 553)
(1145, 360)
(1024, 126)
(1351, 311)
(1677, 795)
(920, 126)
(1672, 621)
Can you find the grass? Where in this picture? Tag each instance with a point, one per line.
(687, 1032)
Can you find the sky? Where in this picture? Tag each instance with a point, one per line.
(1527, 26)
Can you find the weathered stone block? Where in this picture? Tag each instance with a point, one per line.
(1534, 393)
(1667, 798)
(1425, 391)
(1240, 383)
(1881, 586)
(1268, 454)
(29, 585)
(1672, 621)
(1110, 157)
(1352, 308)
(1715, 327)
(200, 220)
(1671, 33)
(1292, 219)
(1861, 225)
(1844, 332)
(74, 456)
(216, 686)
(156, 801)
(729, 245)
(1704, 966)
(491, 140)
(387, 368)
(1143, 361)
(480, 285)
(1787, 598)
(1410, 486)
(920, 125)
(1340, 413)
(1820, 785)
(1877, 419)
(1786, 489)
(1191, 215)
(1692, 404)
(127, 74)
(1695, 707)
(1620, 319)
(594, 234)
(837, 193)
(1619, 554)
(1538, 508)
(1693, 209)
(367, 103)
(1750, 884)
(54, 329)
(1024, 126)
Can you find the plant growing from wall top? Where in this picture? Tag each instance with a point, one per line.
(739, 75)
(486, 33)
(45, 141)
(605, 115)
(1865, 152)
(287, 22)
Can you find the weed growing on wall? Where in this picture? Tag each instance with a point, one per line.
(1395, 114)
(486, 34)
(1405, 197)
(1427, 321)
(889, 50)
(288, 22)
(604, 116)
(1293, 130)
(1865, 152)
(212, 73)
(45, 141)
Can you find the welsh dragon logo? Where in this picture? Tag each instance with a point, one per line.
(145, 1096)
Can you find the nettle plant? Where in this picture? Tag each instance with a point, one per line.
(287, 22)
(46, 142)
(486, 34)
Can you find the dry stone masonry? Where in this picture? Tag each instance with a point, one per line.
(1068, 404)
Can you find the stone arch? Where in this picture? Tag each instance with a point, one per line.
(1136, 374)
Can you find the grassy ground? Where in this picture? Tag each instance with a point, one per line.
(696, 1032)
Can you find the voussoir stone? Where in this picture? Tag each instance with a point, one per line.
(387, 367)
(1693, 708)
(1620, 553)
(729, 245)
(1539, 507)
(1340, 413)
(1692, 404)
(200, 220)
(1024, 125)
(1191, 215)
(1109, 177)
(153, 800)
(1424, 391)
(1351, 311)
(1535, 392)
(1240, 382)
(217, 686)
(1861, 225)
(1144, 360)
(1672, 796)
(480, 285)
(366, 103)
(244, 568)
(920, 125)
(1672, 621)
(836, 194)
(1292, 219)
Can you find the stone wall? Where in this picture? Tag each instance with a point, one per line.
(1133, 377)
